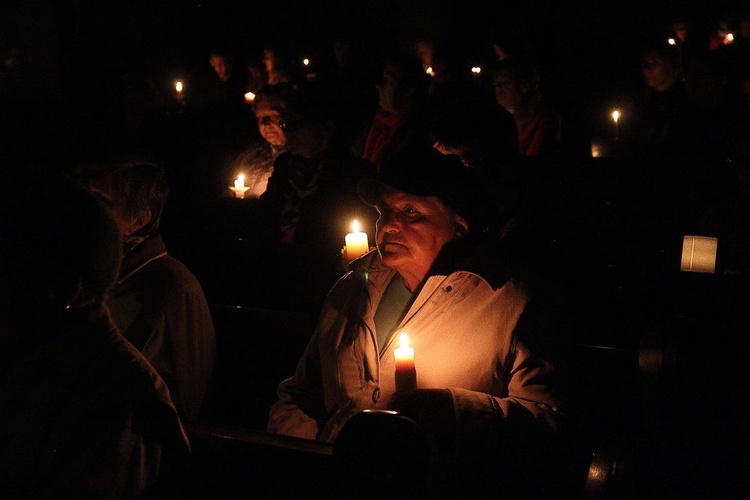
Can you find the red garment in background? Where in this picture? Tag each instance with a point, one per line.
(382, 130)
(538, 128)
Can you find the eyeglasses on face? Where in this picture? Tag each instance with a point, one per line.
(269, 120)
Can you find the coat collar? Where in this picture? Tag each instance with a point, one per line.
(483, 257)
(151, 249)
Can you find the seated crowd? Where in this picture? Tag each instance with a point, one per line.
(109, 344)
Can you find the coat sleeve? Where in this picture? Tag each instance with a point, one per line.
(300, 411)
(533, 408)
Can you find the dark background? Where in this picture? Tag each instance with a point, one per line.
(74, 50)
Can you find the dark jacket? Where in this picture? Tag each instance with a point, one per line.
(83, 415)
(160, 307)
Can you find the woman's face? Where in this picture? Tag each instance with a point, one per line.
(270, 124)
(657, 74)
(508, 92)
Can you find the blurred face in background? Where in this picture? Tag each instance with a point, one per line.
(221, 65)
(509, 92)
(658, 73)
(270, 124)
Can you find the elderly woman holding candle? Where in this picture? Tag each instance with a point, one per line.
(270, 107)
(485, 387)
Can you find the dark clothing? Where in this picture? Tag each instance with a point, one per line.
(301, 222)
(538, 127)
(388, 134)
(83, 415)
(665, 125)
(307, 197)
(160, 307)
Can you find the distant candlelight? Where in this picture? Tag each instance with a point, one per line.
(178, 86)
(616, 118)
(406, 373)
(728, 38)
(430, 71)
(239, 187)
(306, 61)
(671, 41)
(356, 243)
(249, 97)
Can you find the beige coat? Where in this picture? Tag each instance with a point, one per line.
(465, 335)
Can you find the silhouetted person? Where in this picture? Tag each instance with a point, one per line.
(82, 412)
(518, 89)
(157, 303)
(403, 114)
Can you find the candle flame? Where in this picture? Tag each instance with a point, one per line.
(403, 340)
(616, 115)
(306, 61)
(178, 86)
(430, 71)
(728, 38)
(476, 70)
(240, 181)
(355, 226)
(249, 97)
(671, 41)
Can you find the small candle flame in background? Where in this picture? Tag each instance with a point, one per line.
(616, 114)
(671, 41)
(430, 71)
(728, 38)
(239, 182)
(249, 97)
(178, 86)
(476, 70)
(306, 61)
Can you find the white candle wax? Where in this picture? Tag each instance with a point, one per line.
(356, 243)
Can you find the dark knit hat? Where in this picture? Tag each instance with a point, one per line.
(424, 171)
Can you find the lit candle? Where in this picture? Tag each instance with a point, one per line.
(249, 97)
(430, 71)
(306, 61)
(406, 373)
(239, 187)
(671, 41)
(616, 118)
(179, 88)
(728, 38)
(356, 243)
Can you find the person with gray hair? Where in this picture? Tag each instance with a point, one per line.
(157, 302)
(82, 412)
